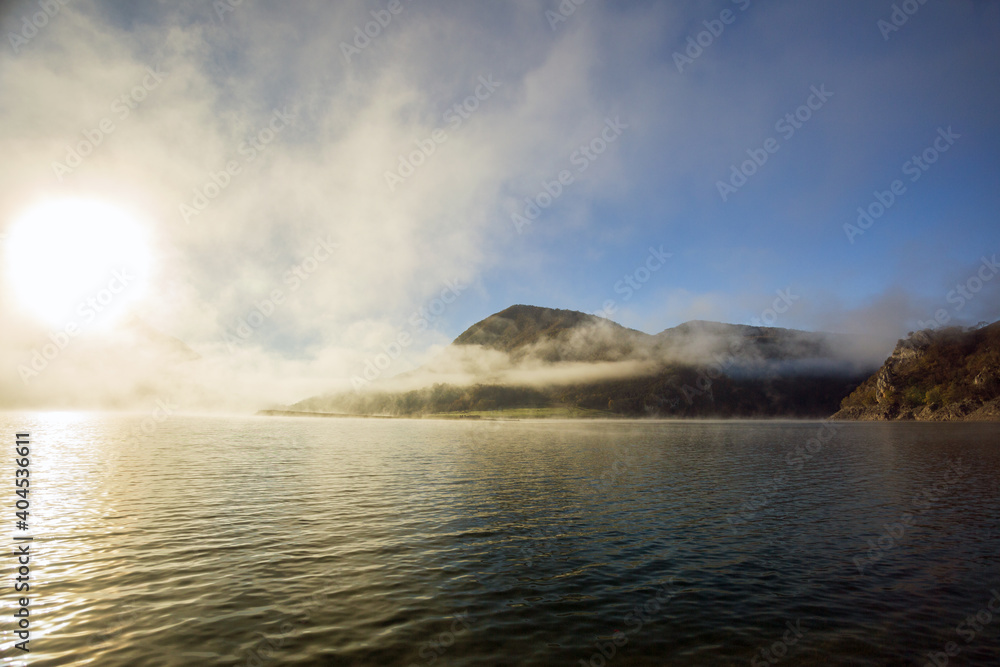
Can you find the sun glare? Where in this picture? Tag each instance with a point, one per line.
(77, 262)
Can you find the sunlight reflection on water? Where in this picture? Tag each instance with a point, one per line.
(228, 541)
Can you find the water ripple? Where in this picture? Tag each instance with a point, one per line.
(225, 541)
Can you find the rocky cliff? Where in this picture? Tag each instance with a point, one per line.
(949, 374)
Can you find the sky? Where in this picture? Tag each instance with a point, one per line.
(312, 184)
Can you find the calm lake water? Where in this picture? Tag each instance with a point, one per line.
(277, 541)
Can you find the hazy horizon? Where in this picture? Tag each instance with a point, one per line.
(287, 191)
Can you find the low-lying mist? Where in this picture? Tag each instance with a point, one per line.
(601, 350)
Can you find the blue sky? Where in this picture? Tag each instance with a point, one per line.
(785, 226)
(359, 106)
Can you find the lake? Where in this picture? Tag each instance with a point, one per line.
(284, 541)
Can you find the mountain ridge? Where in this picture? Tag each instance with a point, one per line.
(530, 356)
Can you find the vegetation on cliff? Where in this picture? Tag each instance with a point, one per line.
(940, 375)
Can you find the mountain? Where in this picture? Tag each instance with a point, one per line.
(949, 374)
(765, 342)
(519, 327)
(554, 335)
(532, 357)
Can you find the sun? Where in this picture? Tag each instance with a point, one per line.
(77, 262)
